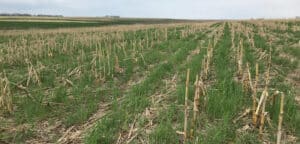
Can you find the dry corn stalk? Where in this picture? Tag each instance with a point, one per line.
(186, 104)
(32, 74)
(196, 104)
(273, 98)
(207, 60)
(94, 65)
(216, 39)
(196, 99)
(232, 38)
(209, 51)
(240, 59)
(5, 95)
(265, 99)
(267, 78)
(118, 69)
(205, 70)
(108, 63)
(280, 119)
(263, 114)
(249, 77)
(246, 112)
(207, 66)
(260, 103)
(254, 117)
(166, 34)
(246, 80)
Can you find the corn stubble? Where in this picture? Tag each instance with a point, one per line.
(105, 51)
(5, 95)
(260, 115)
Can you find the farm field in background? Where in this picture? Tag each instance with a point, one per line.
(11, 23)
(84, 80)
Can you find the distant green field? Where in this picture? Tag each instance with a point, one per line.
(9, 23)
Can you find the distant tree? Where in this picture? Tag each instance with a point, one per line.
(25, 14)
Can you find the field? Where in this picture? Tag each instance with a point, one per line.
(10, 23)
(151, 81)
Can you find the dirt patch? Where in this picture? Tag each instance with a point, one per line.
(74, 134)
(139, 133)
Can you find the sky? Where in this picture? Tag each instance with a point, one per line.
(179, 9)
